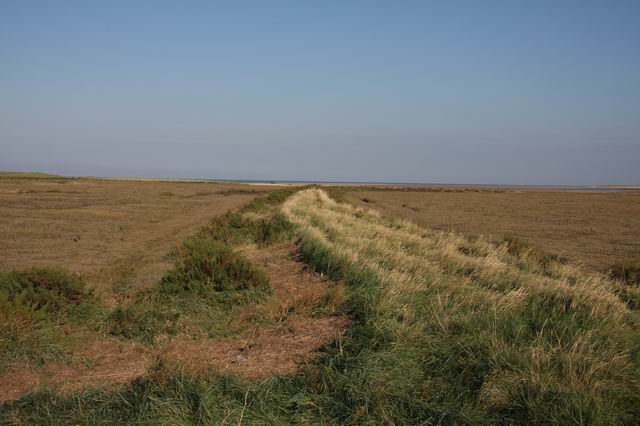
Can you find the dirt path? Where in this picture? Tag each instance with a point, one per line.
(296, 329)
(277, 349)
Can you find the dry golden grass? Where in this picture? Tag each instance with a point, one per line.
(538, 328)
(596, 229)
(115, 233)
(406, 254)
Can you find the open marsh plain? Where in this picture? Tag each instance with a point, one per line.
(594, 228)
(144, 301)
(112, 232)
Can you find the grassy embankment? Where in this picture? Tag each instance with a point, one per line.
(446, 330)
(596, 229)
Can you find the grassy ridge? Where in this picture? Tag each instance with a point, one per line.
(463, 332)
(446, 330)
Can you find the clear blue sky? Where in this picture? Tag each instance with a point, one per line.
(536, 92)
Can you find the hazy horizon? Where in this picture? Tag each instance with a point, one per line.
(544, 93)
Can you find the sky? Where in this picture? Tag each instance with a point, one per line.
(484, 92)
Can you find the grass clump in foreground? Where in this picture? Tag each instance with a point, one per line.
(209, 280)
(33, 303)
(207, 265)
(446, 330)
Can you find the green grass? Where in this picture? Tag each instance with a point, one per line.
(447, 335)
(33, 304)
(171, 398)
(445, 330)
(206, 265)
(234, 228)
(269, 201)
(210, 281)
(142, 321)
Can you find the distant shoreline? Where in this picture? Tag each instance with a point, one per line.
(269, 182)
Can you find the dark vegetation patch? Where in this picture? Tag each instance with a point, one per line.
(53, 292)
(269, 201)
(472, 250)
(206, 265)
(227, 192)
(142, 321)
(628, 273)
(33, 302)
(521, 249)
(236, 228)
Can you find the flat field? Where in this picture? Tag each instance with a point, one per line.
(108, 231)
(216, 304)
(596, 229)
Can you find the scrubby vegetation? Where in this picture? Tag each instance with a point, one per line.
(206, 266)
(628, 273)
(445, 330)
(32, 303)
(210, 281)
(238, 228)
(143, 320)
(51, 290)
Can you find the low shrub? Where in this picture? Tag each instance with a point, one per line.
(32, 302)
(206, 265)
(142, 321)
(53, 291)
(236, 228)
(272, 199)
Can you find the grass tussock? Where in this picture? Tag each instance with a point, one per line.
(51, 290)
(33, 304)
(206, 266)
(142, 321)
(237, 228)
(209, 282)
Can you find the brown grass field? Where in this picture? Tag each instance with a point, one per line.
(597, 229)
(112, 232)
(215, 301)
(121, 237)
